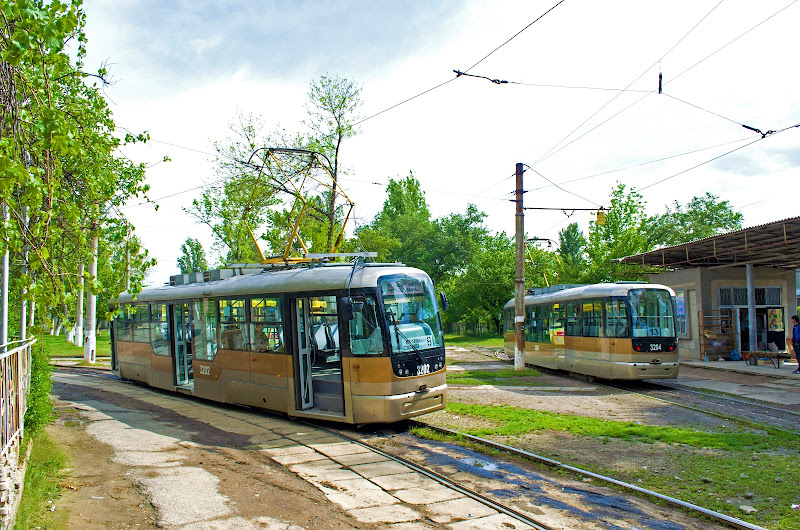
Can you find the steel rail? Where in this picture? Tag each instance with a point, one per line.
(706, 411)
(721, 517)
(440, 479)
(732, 399)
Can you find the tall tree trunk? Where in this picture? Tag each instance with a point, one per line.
(90, 345)
(78, 338)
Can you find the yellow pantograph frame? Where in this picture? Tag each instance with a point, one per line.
(333, 185)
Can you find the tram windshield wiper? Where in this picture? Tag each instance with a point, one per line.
(398, 334)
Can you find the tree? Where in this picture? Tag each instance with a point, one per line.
(480, 292)
(332, 106)
(702, 217)
(624, 233)
(452, 242)
(571, 244)
(193, 258)
(240, 200)
(400, 231)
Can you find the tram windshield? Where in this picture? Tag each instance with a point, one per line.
(651, 313)
(411, 313)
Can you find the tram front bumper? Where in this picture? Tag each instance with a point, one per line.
(645, 370)
(387, 409)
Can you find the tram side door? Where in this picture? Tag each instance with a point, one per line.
(305, 353)
(183, 344)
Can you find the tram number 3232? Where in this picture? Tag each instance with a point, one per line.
(655, 347)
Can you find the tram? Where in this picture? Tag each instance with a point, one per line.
(351, 342)
(623, 330)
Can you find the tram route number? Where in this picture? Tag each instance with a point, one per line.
(205, 370)
(655, 347)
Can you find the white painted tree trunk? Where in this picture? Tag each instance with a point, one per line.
(79, 312)
(90, 344)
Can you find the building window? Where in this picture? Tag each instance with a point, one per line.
(681, 317)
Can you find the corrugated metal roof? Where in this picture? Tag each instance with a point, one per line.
(775, 244)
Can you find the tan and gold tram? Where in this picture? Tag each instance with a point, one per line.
(352, 343)
(611, 331)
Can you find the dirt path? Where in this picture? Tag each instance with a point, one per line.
(135, 465)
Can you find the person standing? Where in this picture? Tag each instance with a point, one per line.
(796, 341)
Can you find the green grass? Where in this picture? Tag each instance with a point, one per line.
(714, 470)
(493, 341)
(505, 377)
(57, 346)
(43, 483)
(512, 421)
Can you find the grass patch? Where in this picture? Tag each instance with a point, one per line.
(719, 483)
(514, 421)
(43, 483)
(57, 346)
(491, 341)
(504, 377)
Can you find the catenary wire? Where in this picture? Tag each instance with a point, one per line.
(770, 134)
(514, 36)
(550, 152)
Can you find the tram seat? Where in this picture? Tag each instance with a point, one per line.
(233, 338)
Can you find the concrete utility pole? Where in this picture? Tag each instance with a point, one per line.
(519, 281)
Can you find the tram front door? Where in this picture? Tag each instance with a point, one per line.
(305, 354)
(183, 334)
(318, 361)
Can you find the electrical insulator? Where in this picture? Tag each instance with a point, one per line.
(601, 216)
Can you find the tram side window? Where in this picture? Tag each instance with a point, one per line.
(125, 325)
(509, 320)
(616, 318)
(159, 329)
(574, 319)
(204, 324)
(141, 323)
(232, 325)
(325, 327)
(531, 314)
(557, 324)
(592, 318)
(547, 316)
(266, 325)
(365, 333)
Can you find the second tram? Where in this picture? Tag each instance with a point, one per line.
(611, 331)
(357, 343)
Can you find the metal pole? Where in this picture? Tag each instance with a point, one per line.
(23, 303)
(519, 281)
(751, 313)
(4, 294)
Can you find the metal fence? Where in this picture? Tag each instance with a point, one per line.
(15, 382)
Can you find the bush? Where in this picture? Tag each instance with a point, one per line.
(40, 407)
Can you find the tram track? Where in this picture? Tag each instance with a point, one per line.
(693, 508)
(752, 412)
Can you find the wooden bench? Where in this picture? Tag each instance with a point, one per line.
(774, 356)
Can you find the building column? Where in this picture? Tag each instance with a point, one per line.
(751, 313)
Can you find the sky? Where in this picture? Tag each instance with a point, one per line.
(182, 70)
